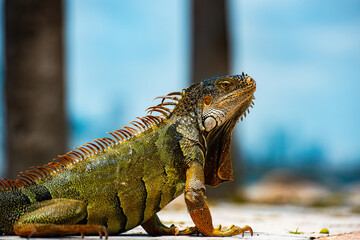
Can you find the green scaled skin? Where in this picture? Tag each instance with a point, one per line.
(112, 185)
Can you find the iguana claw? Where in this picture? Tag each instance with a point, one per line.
(248, 228)
(231, 231)
(189, 231)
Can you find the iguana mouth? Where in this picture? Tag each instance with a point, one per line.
(248, 91)
(234, 112)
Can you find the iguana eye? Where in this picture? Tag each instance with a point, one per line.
(225, 85)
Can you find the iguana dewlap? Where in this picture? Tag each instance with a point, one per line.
(116, 183)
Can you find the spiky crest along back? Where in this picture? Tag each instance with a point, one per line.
(97, 146)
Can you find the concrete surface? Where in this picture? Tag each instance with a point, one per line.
(268, 222)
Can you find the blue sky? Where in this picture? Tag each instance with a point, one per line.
(304, 55)
(121, 55)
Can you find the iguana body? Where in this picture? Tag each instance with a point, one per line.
(114, 184)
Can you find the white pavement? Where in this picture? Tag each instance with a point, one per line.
(268, 222)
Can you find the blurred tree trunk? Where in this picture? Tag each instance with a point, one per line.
(210, 57)
(210, 52)
(34, 83)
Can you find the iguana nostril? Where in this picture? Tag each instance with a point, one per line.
(250, 80)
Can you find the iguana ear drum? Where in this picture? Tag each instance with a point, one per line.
(207, 100)
(210, 123)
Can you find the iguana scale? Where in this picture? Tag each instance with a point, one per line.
(116, 183)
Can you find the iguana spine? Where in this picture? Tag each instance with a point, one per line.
(98, 146)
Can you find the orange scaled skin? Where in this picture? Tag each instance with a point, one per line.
(199, 211)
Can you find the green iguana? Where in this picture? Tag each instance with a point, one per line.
(116, 183)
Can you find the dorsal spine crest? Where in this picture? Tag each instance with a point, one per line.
(97, 146)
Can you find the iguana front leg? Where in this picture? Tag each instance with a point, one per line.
(56, 217)
(199, 211)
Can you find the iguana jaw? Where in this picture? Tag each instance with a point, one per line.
(220, 114)
(229, 105)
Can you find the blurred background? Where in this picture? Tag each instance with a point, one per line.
(72, 70)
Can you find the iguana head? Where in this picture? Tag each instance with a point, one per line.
(224, 99)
